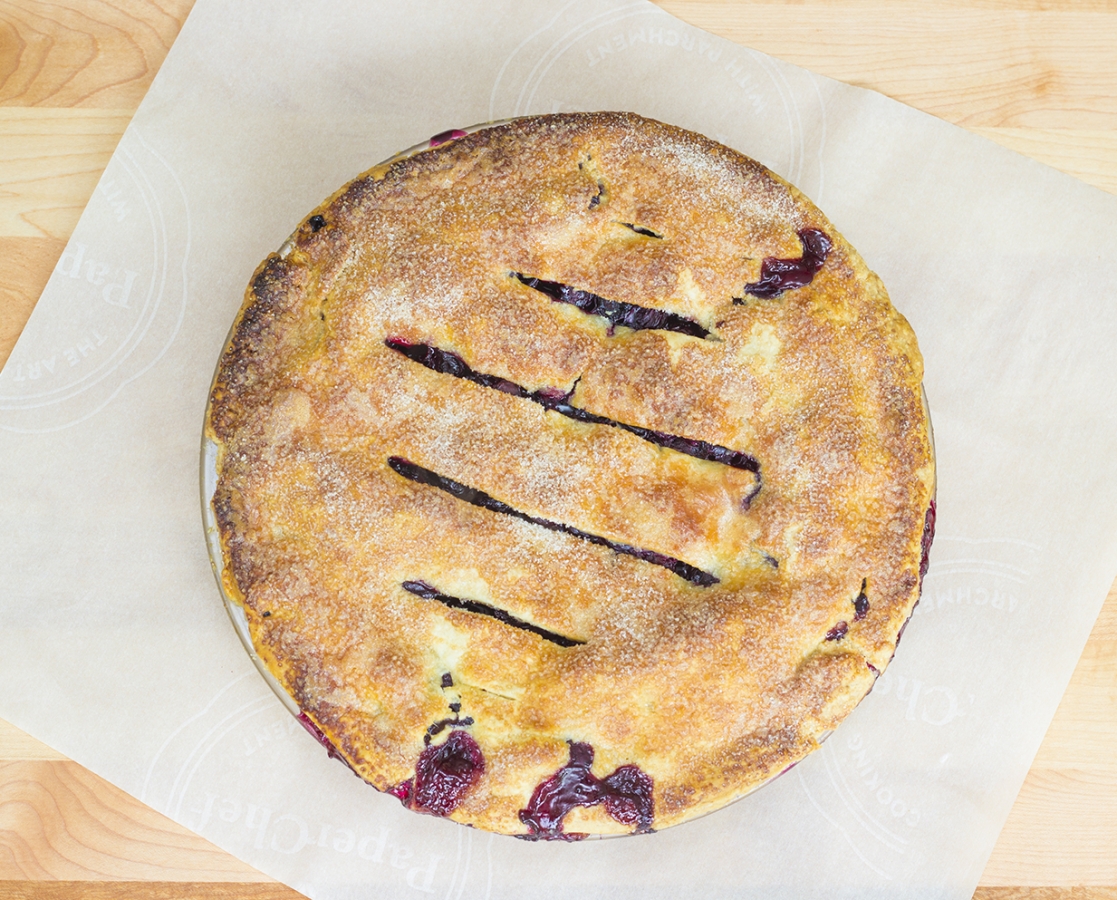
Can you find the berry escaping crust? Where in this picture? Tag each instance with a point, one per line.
(413, 472)
(444, 137)
(444, 774)
(617, 313)
(626, 793)
(926, 541)
(779, 275)
(559, 401)
(318, 735)
(527, 439)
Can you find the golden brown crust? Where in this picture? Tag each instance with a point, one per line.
(709, 690)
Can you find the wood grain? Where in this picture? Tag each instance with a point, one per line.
(979, 65)
(25, 266)
(53, 159)
(84, 53)
(19, 745)
(1080, 892)
(1063, 826)
(149, 890)
(1090, 155)
(60, 822)
(1038, 76)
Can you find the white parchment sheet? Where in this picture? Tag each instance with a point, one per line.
(114, 644)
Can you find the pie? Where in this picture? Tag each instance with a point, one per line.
(573, 474)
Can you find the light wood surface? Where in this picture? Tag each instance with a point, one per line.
(1038, 76)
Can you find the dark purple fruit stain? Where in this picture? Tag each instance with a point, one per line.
(924, 560)
(928, 539)
(318, 735)
(779, 275)
(615, 312)
(447, 363)
(316, 223)
(838, 632)
(627, 795)
(597, 198)
(900, 633)
(479, 498)
(447, 680)
(321, 738)
(442, 724)
(444, 137)
(443, 775)
(424, 590)
(640, 229)
(861, 603)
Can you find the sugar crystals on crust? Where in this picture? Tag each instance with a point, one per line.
(574, 475)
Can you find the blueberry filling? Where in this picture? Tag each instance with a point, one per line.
(615, 312)
(779, 275)
(443, 775)
(860, 603)
(838, 632)
(318, 735)
(924, 559)
(627, 795)
(447, 680)
(442, 724)
(640, 229)
(475, 497)
(928, 539)
(316, 223)
(444, 137)
(553, 399)
(424, 590)
(597, 198)
(321, 738)
(925, 552)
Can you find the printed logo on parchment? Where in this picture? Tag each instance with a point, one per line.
(586, 58)
(197, 778)
(855, 783)
(876, 816)
(982, 576)
(116, 298)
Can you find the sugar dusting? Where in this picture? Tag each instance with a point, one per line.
(372, 529)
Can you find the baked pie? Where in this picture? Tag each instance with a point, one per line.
(573, 474)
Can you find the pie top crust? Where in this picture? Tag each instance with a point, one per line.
(551, 505)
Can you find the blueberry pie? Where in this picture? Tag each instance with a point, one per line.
(573, 475)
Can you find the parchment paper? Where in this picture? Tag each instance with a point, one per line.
(115, 647)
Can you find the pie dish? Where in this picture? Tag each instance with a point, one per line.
(572, 475)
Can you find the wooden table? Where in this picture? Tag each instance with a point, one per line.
(1039, 76)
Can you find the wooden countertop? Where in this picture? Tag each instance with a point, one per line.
(1039, 76)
